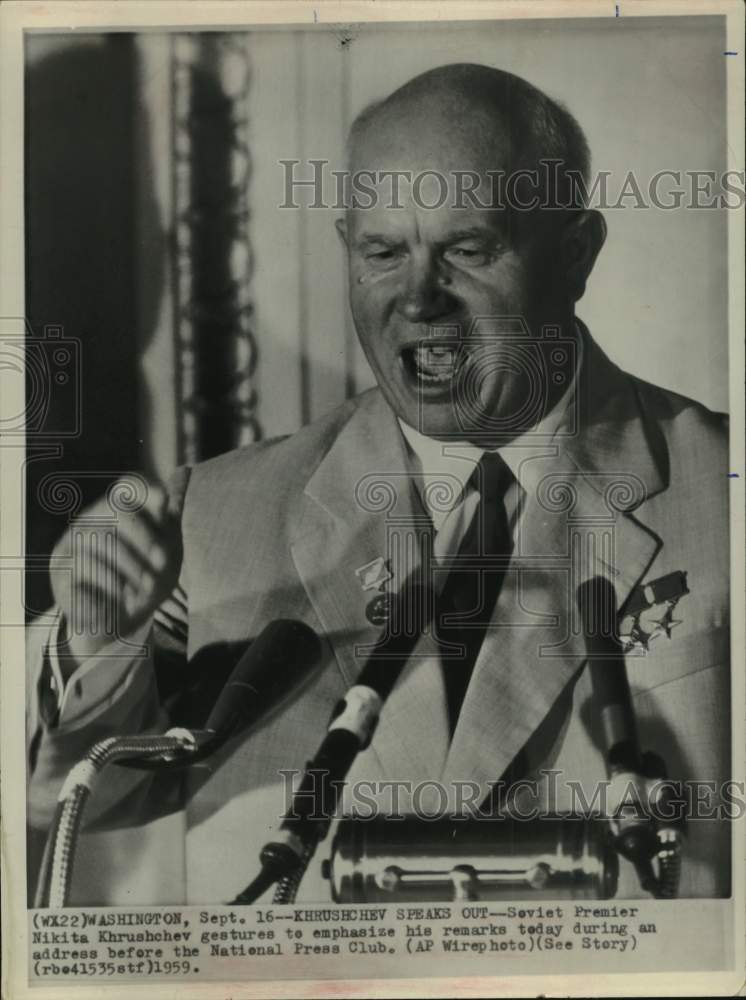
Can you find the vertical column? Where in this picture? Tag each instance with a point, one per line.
(212, 255)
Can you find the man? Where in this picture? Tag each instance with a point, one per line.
(465, 308)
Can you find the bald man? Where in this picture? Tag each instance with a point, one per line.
(503, 455)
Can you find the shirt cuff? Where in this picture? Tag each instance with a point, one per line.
(94, 682)
(51, 683)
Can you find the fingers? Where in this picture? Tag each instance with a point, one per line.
(149, 536)
(144, 544)
(133, 562)
(95, 610)
(111, 564)
(133, 551)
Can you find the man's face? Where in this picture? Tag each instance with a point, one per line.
(419, 278)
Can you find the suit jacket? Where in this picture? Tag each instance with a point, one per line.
(632, 487)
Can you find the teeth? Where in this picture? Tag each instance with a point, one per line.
(435, 364)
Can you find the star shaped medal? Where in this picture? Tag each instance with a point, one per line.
(649, 612)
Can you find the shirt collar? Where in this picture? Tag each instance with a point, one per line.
(449, 465)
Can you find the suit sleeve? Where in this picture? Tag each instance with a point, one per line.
(113, 692)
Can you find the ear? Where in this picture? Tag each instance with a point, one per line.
(341, 226)
(581, 242)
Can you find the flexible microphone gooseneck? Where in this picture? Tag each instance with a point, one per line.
(350, 730)
(282, 653)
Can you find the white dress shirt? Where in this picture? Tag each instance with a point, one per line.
(442, 472)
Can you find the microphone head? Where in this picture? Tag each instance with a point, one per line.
(412, 611)
(612, 700)
(283, 654)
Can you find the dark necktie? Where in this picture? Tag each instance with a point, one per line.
(472, 589)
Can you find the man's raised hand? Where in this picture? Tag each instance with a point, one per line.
(110, 571)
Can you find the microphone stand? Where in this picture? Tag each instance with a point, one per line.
(286, 859)
(353, 721)
(283, 652)
(55, 875)
(638, 838)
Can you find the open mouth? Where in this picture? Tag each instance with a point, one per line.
(434, 364)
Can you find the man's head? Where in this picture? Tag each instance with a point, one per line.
(444, 259)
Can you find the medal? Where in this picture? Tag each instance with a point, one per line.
(374, 576)
(649, 612)
(378, 611)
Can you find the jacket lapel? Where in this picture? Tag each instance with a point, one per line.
(582, 517)
(360, 506)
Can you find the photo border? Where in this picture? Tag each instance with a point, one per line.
(17, 17)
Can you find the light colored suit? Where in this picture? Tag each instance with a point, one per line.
(278, 530)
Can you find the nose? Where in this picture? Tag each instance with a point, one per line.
(425, 296)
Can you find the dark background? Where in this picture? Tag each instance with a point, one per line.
(80, 247)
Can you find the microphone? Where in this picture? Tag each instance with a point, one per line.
(633, 834)
(350, 730)
(276, 661)
(611, 694)
(280, 656)
(354, 718)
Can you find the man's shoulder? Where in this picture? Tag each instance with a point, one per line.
(283, 461)
(691, 429)
(676, 428)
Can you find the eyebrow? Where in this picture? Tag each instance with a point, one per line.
(479, 232)
(473, 232)
(377, 238)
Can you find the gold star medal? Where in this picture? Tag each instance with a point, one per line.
(649, 612)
